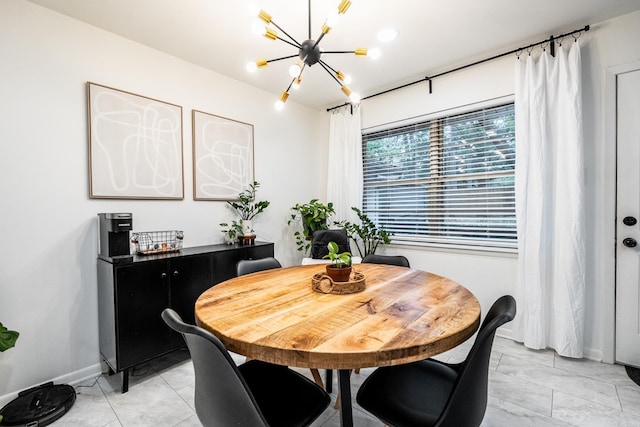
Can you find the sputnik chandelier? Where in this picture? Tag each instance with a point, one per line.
(309, 52)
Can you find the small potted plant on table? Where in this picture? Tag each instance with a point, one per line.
(340, 268)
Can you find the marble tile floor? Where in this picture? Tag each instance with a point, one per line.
(526, 388)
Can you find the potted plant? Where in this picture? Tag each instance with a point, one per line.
(232, 231)
(340, 268)
(7, 338)
(366, 235)
(247, 208)
(313, 216)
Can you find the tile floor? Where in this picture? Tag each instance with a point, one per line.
(526, 388)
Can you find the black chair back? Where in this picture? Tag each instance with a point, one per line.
(400, 260)
(247, 266)
(222, 397)
(321, 238)
(467, 403)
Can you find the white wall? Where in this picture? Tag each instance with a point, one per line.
(48, 224)
(608, 44)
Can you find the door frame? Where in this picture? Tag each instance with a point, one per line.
(609, 199)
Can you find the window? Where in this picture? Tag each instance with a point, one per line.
(445, 181)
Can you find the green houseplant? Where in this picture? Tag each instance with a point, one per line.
(247, 208)
(7, 338)
(312, 216)
(232, 231)
(340, 268)
(366, 235)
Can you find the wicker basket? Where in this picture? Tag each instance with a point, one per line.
(321, 282)
(157, 242)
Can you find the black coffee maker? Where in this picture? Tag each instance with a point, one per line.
(114, 234)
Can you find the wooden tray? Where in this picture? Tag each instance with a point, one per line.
(321, 282)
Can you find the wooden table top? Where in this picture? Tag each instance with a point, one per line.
(403, 315)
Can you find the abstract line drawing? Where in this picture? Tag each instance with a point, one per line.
(222, 157)
(135, 146)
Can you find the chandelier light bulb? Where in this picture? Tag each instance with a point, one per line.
(251, 67)
(374, 53)
(295, 69)
(258, 27)
(296, 83)
(354, 97)
(333, 19)
(345, 78)
(280, 102)
(387, 35)
(253, 8)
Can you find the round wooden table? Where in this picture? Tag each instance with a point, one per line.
(403, 315)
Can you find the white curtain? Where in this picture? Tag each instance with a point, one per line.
(549, 185)
(344, 182)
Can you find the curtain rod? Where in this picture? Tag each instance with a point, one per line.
(550, 40)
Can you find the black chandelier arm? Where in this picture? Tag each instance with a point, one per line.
(318, 41)
(326, 67)
(338, 51)
(288, 42)
(324, 64)
(295, 42)
(309, 19)
(281, 58)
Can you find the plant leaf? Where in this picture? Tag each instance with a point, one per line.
(7, 338)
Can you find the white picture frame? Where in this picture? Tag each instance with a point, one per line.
(135, 146)
(223, 156)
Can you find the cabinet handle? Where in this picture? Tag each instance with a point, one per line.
(175, 273)
(163, 275)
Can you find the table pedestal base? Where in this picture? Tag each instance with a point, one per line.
(344, 385)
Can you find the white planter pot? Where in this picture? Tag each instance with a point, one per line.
(247, 227)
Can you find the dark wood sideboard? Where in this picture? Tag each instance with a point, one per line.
(133, 291)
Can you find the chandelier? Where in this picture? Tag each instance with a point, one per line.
(309, 52)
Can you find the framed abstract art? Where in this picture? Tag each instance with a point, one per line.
(223, 164)
(135, 146)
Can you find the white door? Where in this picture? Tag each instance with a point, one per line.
(628, 220)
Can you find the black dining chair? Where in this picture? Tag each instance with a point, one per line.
(247, 266)
(400, 260)
(430, 393)
(320, 239)
(254, 394)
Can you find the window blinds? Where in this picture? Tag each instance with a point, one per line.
(447, 180)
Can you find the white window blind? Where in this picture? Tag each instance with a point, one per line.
(448, 180)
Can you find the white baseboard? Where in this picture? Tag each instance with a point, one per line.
(71, 378)
(589, 353)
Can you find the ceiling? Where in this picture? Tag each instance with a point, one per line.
(434, 36)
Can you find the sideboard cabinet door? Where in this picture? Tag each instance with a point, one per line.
(142, 292)
(190, 277)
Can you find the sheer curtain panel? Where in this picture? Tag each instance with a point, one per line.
(344, 182)
(549, 182)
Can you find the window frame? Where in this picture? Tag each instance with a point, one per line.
(436, 119)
